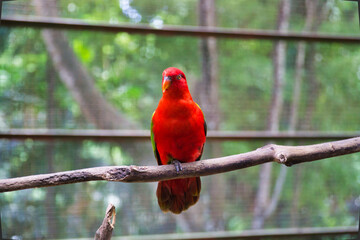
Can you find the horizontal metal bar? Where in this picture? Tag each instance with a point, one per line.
(74, 24)
(119, 135)
(282, 233)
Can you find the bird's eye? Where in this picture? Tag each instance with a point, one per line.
(178, 77)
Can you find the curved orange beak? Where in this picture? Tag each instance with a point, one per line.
(166, 83)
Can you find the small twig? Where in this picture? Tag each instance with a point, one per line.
(288, 155)
(105, 230)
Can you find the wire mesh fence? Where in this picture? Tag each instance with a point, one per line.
(101, 115)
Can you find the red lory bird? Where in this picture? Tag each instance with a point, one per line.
(178, 132)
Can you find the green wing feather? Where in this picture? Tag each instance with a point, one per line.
(205, 126)
(156, 152)
(205, 130)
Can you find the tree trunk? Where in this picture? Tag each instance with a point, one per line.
(293, 120)
(299, 65)
(208, 87)
(313, 20)
(294, 220)
(209, 100)
(262, 195)
(279, 59)
(81, 85)
(52, 225)
(313, 86)
(300, 59)
(310, 66)
(74, 75)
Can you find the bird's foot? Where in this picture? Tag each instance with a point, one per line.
(177, 165)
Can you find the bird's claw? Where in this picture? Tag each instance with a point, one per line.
(177, 165)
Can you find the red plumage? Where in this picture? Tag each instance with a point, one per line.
(178, 132)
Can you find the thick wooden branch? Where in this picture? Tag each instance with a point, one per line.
(288, 155)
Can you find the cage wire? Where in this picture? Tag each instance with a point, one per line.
(126, 69)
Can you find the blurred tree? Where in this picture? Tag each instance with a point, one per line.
(311, 7)
(208, 93)
(310, 65)
(262, 200)
(50, 200)
(74, 75)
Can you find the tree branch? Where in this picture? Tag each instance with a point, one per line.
(106, 228)
(288, 155)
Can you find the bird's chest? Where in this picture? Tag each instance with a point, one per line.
(179, 132)
(177, 121)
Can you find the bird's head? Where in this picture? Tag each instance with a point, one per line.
(173, 79)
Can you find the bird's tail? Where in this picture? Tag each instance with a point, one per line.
(179, 194)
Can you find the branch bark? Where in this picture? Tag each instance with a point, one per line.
(106, 228)
(288, 155)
